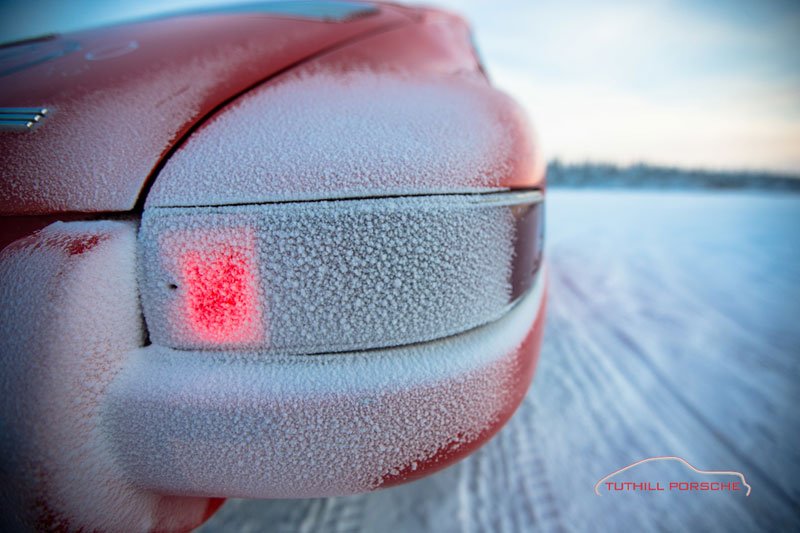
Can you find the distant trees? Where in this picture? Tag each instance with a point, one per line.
(644, 176)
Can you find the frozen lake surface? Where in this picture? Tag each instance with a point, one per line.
(672, 330)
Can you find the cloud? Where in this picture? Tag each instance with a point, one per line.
(664, 82)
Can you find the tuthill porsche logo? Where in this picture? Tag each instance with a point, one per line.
(716, 480)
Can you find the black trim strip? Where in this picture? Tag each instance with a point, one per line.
(536, 197)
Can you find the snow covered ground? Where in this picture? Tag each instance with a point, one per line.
(672, 330)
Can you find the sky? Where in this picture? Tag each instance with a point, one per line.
(692, 83)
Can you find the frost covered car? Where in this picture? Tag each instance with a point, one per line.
(287, 250)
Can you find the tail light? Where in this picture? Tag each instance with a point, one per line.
(314, 276)
(217, 274)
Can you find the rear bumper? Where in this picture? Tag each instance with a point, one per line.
(265, 426)
(101, 434)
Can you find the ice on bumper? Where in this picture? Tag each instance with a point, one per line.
(69, 318)
(255, 425)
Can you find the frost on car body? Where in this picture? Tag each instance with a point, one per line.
(269, 426)
(335, 233)
(320, 133)
(325, 276)
(69, 319)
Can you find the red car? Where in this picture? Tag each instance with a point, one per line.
(283, 250)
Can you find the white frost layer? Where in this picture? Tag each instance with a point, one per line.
(99, 147)
(262, 426)
(69, 316)
(334, 275)
(317, 134)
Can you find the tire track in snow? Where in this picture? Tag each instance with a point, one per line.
(340, 515)
(504, 487)
(607, 379)
(591, 375)
(531, 476)
(754, 469)
(763, 478)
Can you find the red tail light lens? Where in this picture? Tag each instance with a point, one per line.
(214, 285)
(219, 297)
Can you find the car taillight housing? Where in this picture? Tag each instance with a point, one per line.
(320, 276)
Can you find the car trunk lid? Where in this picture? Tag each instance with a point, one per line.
(118, 99)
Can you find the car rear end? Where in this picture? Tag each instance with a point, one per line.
(331, 282)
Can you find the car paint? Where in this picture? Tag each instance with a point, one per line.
(69, 319)
(114, 118)
(435, 52)
(114, 122)
(416, 39)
